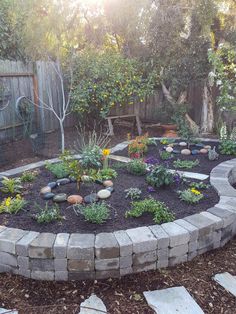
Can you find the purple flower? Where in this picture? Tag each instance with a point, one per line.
(177, 178)
(151, 161)
(150, 189)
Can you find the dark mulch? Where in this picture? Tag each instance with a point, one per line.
(119, 204)
(204, 167)
(126, 295)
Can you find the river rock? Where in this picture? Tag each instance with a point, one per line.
(59, 198)
(203, 151)
(199, 145)
(182, 144)
(45, 190)
(186, 152)
(91, 198)
(195, 151)
(207, 147)
(48, 196)
(169, 149)
(103, 194)
(75, 199)
(52, 185)
(176, 151)
(111, 189)
(108, 183)
(63, 181)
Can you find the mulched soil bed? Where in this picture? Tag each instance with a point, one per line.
(204, 167)
(126, 295)
(119, 204)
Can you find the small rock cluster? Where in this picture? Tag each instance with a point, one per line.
(201, 149)
(48, 194)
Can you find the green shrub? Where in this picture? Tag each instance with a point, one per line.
(59, 170)
(12, 205)
(133, 193)
(228, 147)
(137, 167)
(11, 186)
(71, 165)
(47, 214)
(28, 176)
(96, 213)
(190, 196)
(160, 176)
(119, 165)
(166, 155)
(185, 164)
(159, 210)
(91, 157)
(106, 174)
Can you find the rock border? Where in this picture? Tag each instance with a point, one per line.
(64, 256)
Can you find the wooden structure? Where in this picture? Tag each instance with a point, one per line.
(136, 121)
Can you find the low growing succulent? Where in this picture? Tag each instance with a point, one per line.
(133, 193)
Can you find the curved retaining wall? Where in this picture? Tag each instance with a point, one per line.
(47, 256)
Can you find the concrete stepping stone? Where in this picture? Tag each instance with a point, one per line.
(227, 281)
(120, 158)
(93, 305)
(5, 311)
(172, 301)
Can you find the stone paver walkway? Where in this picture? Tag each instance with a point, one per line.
(227, 281)
(93, 305)
(172, 301)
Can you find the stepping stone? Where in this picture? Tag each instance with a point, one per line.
(120, 158)
(5, 311)
(93, 305)
(191, 175)
(227, 281)
(172, 301)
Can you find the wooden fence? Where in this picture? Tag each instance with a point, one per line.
(29, 79)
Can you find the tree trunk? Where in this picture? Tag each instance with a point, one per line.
(62, 136)
(207, 117)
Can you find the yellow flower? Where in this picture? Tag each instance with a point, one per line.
(18, 196)
(8, 202)
(106, 152)
(196, 192)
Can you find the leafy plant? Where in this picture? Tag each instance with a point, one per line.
(119, 165)
(106, 174)
(47, 214)
(12, 205)
(167, 141)
(137, 167)
(183, 125)
(190, 196)
(199, 185)
(159, 210)
(28, 176)
(159, 176)
(227, 147)
(96, 213)
(166, 155)
(185, 164)
(59, 170)
(136, 149)
(11, 185)
(71, 165)
(133, 193)
(91, 157)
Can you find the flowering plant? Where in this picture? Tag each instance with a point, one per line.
(190, 196)
(105, 155)
(12, 205)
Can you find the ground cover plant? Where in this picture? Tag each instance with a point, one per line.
(191, 196)
(185, 164)
(96, 213)
(11, 186)
(12, 205)
(47, 214)
(133, 193)
(137, 167)
(159, 176)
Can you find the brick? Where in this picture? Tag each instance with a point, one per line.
(162, 237)
(106, 246)
(126, 271)
(42, 275)
(178, 235)
(80, 265)
(226, 215)
(192, 246)
(144, 267)
(42, 246)
(104, 274)
(43, 265)
(178, 260)
(61, 275)
(193, 230)
(162, 264)
(178, 251)
(206, 241)
(24, 272)
(163, 254)
(126, 261)
(60, 245)
(204, 224)
(8, 259)
(126, 246)
(22, 245)
(192, 255)
(23, 262)
(81, 275)
(143, 258)
(6, 269)
(143, 239)
(60, 264)
(81, 246)
(218, 221)
(8, 239)
(107, 264)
